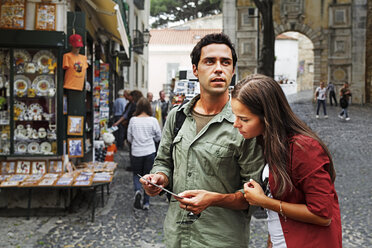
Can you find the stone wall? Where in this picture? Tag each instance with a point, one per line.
(369, 54)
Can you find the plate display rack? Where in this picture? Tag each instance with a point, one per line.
(28, 102)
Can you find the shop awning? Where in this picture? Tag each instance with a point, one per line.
(110, 20)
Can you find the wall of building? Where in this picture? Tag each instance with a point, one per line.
(160, 57)
(136, 76)
(369, 54)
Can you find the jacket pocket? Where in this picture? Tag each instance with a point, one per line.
(218, 159)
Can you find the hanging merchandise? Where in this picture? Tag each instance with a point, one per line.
(101, 94)
(75, 65)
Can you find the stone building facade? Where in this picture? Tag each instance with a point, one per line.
(337, 29)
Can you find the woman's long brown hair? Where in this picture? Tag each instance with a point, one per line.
(264, 97)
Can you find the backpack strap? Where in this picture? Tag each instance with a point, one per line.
(180, 119)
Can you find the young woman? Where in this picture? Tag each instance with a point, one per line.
(143, 132)
(301, 201)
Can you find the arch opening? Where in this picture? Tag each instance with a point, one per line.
(294, 62)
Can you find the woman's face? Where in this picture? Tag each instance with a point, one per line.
(249, 124)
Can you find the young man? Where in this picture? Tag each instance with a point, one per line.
(164, 105)
(119, 107)
(345, 95)
(210, 160)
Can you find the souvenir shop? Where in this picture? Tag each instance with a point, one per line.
(47, 125)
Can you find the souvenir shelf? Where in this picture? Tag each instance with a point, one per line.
(30, 99)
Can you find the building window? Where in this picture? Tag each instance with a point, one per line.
(247, 19)
(247, 48)
(340, 46)
(136, 73)
(310, 68)
(340, 16)
(143, 76)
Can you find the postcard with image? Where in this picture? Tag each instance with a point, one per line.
(38, 167)
(55, 166)
(47, 182)
(23, 167)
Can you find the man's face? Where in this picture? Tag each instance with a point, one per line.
(162, 95)
(215, 69)
(149, 97)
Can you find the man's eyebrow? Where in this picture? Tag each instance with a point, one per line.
(214, 58)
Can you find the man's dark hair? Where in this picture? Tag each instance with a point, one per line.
(136, 94)
(216, 38)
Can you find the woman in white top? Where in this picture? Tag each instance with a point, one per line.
(320, 97)
(143, 132)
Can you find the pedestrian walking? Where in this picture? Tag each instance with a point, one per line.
(119, 107)
(143, 132)
(164, 105)
(300, 197)
(345, 95)
(332, 94)
(320, 97)
(133, 97)
(210, 162)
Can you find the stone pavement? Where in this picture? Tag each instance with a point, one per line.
(117, 224)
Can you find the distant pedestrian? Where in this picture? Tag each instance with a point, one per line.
(320, 96)
(119, 107)
(164, 105)
(345, 95)
(332, 94)
(143, 132)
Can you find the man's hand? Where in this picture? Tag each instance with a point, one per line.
(159, 179)
(196, 201)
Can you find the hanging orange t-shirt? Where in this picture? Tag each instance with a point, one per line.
(75, 66)
(111, 150)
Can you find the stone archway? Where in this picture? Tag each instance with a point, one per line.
(316, 37)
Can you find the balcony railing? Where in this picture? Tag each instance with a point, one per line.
(138, 41)
(140, 4)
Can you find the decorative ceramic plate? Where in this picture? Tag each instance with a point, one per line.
(33, 148)
(34, 109)
(21, 56)
(43, 58)
(42, 84)
(21, 106)
(21, 84)
(21, 147)
(45, 147)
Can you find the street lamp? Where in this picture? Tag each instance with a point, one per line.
(140, 39)
(146, 37)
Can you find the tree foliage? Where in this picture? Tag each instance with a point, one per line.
(164, 11)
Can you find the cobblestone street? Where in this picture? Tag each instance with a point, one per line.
(117, 224)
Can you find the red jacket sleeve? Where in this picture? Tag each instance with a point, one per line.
(309, 161)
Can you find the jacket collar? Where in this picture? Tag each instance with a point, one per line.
(226, 112)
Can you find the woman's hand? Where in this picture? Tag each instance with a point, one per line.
(253, 193)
